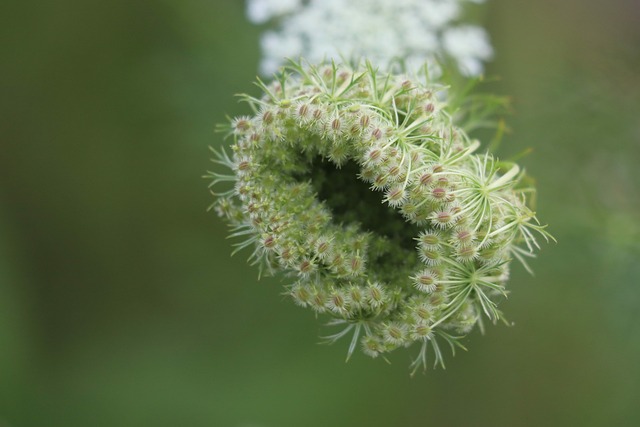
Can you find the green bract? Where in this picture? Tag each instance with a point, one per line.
(359, 186)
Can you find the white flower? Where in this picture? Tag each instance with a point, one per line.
(260, 11)
(469, 45)
(383, 31)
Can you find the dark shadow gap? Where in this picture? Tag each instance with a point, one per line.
(352, 201)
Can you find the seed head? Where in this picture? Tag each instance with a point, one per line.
(399, 235)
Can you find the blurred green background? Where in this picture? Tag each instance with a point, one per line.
(120, 304)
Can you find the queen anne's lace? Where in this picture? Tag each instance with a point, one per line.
(358, 185)
(382, 31)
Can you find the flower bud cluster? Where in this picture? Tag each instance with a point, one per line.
(359, 186)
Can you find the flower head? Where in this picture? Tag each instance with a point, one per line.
(383, 31)
(380, 211)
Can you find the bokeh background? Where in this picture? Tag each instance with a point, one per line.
(121, 306)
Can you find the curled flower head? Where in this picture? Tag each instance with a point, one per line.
(359, 186)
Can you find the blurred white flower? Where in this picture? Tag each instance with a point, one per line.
(469, 46)
(414, 31)
(260, 11)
